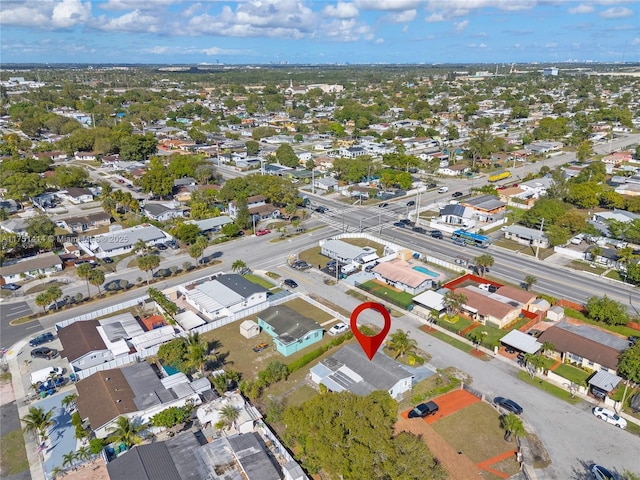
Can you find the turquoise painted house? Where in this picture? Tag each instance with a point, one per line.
(290, 330)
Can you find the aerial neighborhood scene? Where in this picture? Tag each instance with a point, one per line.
(269, 240)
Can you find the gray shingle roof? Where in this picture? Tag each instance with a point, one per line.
(240, 285)
(144, 462)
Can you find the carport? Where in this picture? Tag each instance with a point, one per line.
(521, 341)
(604, 381)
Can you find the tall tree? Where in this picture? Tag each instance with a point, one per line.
(228, 415)
(512, 425)
(529, 281)
(401, 344)
(454, 301)
(96, 278)
(148, 263)
(484, 261)
(238, 266)
(197, 351)
(55, 293)
(38, 420)
(84, 272)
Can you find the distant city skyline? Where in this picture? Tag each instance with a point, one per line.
(318, 32)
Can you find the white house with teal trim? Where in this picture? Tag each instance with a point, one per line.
(291, 331)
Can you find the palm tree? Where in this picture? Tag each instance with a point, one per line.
(96, 278)
(141, 246)
(57, 472)
(124, 431)
(548, 347)
(625, 255)
(37, 420)
(512, 425)
(83, 454)
(42, 300)
(195, 252)
(228, 415)
(595, 252)
(69, 459)
(84, 271)
(147, 263)
(238, 266)
(453, 302)
(529, 281)
(197, 350)
(54, 293)
(484, 261)
(476, 335)
(400, 343)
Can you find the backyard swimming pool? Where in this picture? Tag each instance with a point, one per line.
(426, 271)
(170, 370)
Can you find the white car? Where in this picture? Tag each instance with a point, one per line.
(610, 417)
(338, 328)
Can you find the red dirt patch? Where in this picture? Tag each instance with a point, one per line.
(486, 465)
(449, 403)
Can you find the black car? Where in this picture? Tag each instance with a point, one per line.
(411, 203)
(424, 410)
(161, 246)
(456, 194)
(399, 224)
(406, 221)
(321, 209)
(290, 283)
(419, 230)
(10, 286)
(508, 405)
(40, 339)
(436, 233)
(301, 265)
(58, 305)
(107, 260)
(44, 352)
(431, 185)
(172, 245)
(383, 204)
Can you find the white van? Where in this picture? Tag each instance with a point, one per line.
(443, 190)
(41, 376)
(349, 269)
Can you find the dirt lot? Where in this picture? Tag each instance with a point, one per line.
(450, 403)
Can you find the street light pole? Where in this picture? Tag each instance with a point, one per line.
(539, 239)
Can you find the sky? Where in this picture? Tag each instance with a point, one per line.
(318, 31)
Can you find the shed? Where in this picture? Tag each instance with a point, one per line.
(249, 329)
(555, 313)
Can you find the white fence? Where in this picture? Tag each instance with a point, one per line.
(567, 252)
(393, 246)
(102, 312)
(280, 449)
(324, 308)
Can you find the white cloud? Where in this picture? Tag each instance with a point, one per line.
(379, 41)
(46, 14)
(136, 4)
(258, 18)
(582, 8)
(388, 5)
(458, 8)
(635, 41)
(341, 10)
(435, 17)
(69, 13)
(135, 21)
(616, 12)
(460, 26)
(403, 17)
(173, 50)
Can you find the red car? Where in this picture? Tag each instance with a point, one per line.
(262, 231)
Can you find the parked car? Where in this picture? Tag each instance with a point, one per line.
(609, 416)
(262, 231)
(508, 405)
(161, 246)
(436, 233)
(259, 348)
(456, 194)
(338, 328)
(601, 473)
(57, 305)
(419, 230)
(301, 265)
(107, 260)
(40, 339)
(44, 352)
(11, 286)
(411, 203)
(290, 283)
(321, 209)
(424, 410)
(173, 245)
(383, 204)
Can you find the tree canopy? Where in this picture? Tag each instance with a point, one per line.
(351, 437)
(604, 309)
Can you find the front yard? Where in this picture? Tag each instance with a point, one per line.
(573, 374)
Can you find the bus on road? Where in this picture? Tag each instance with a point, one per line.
(468, 238)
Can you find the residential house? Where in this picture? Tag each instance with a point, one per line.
(499, 308)
(349, 369)
(346, 253)
(9, 205)
(161, 212)
(540, 146)
(401, 275)
(86, 156)
(454, 170)
(55, 156)
(83, 223)
(585, 345)
(211, 225)
(226, 295)
(120, 242)
(44, 264)
(83, 346)
(537, 187)
(291, 331)
(325, 184)
(429, 303)
(485, 208)
(76, 195)
(258, 208)
(526, 236)
(134, 391)
(17, 226)
(248, 416)
(457, 215)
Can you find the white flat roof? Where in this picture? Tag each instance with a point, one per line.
(521, 341)
(431, 299)
(189, 320)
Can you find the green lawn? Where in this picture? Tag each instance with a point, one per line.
(451, 341)
(259, 281)
(494, 334)
(573, 374)
(620, 329)
(13, 456)
(457, 325)
(586, 267)
(561, 393)
(383, 292)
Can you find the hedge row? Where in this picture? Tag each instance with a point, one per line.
(311, 356)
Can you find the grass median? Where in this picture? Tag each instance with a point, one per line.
(554, 390)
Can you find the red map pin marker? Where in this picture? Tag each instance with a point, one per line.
(370, 345)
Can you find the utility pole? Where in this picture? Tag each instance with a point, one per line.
(539, 239)
(313, 182)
